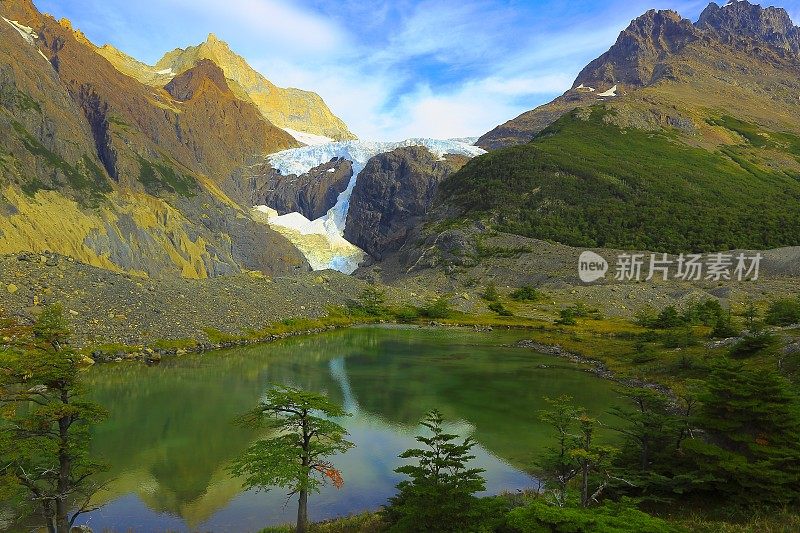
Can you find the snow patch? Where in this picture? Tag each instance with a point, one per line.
(166, 72)
(321, 249)
(309, 139)
(583, 88)
(26, 32)
(611, 92)
(340, 254)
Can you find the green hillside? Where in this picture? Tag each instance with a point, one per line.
(586, 182)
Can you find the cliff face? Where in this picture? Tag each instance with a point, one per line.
(95, 165)
(312, 194)
(393, 192)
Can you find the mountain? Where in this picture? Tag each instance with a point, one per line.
(738, 58)
(682, 137)
(118, 174)
(292, 109)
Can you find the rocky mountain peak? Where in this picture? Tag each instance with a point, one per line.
(741, 19)
(634, 58)
(204, 73)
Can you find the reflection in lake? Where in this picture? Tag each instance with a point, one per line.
(170, 437)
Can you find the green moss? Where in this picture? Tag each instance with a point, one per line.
(159, 177)
(86, 178)
(175, 344)
(588, 183)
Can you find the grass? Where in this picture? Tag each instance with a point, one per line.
(361, 523)
(588, 183)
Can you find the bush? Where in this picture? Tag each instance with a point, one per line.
(491, 294)
(783, 312)
(438, 309)
(541, 517)
(370, 302)
(526, 293)
(724, 328)
(578, 310)
(682, 338)
(567, 317)
(753, 344)
(407, 314)
(706, 313)
(668, 318)
(500, 309)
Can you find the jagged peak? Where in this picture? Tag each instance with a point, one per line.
(739, 20)
(655, 18)
(741, 15)
(185, 85)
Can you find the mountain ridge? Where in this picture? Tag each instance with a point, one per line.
(651, 51)
(290, 108)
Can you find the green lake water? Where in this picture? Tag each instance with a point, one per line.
(170, 435)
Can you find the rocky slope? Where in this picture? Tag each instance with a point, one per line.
(393, 192)
(135, 310)
(290, 108)
(121, 175)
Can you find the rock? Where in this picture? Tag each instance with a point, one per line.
(312, 194)
(393, 192)
(11, 288)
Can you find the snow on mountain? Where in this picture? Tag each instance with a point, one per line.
(611, 92)
(26, 32)
(298, 228)
(308, 139)
(321, 249)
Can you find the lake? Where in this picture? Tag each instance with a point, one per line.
(170, 437)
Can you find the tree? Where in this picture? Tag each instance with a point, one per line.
(751, 420)
(645, 426)
(440, 494)
(575, 454)
(784, 312)
(45, 436)
(592, 459)
(297, 456)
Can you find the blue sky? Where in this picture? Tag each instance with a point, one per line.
(390, 69)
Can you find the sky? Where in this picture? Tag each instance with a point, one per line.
(390, 69)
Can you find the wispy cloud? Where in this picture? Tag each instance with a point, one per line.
(390, 68)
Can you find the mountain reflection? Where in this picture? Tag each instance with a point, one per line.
(171, 436)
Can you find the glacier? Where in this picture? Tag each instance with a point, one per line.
(322, 240)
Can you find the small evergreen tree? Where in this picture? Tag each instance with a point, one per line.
(752, 422)
(297, 456)
(371, 301)
(490, 294)
(557, 465)
(439, 495)
(45, 434)
(724, 327)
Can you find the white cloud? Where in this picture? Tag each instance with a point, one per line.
(276, 21)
